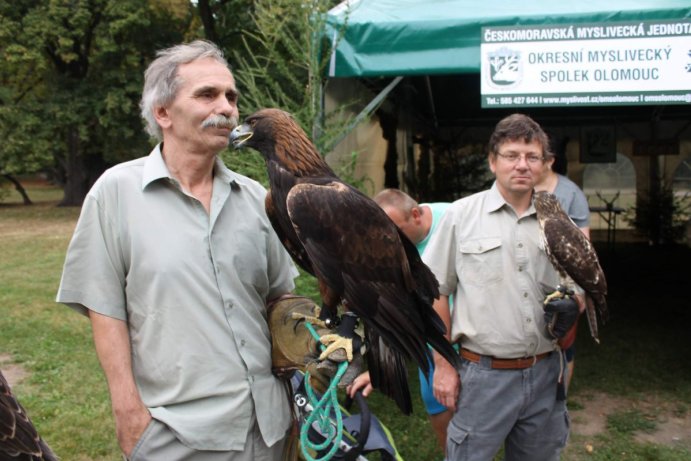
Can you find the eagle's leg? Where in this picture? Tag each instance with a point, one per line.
(321, 317)
(345, 337)
(559, 293)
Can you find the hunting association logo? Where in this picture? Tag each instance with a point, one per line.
(505, 67)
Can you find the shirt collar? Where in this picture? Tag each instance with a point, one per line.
(155, 169)
(222, 172)
(495, 201)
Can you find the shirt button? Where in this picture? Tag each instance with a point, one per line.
(520, 245)
(527, 320)
(242, 343)
(525, 295)
(520, 269)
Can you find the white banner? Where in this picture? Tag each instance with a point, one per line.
(612, 64)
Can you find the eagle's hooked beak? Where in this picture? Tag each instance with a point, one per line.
(240, 135)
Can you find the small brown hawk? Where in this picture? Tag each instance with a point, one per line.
(572, 256)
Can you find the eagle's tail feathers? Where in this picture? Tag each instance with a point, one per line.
(441, 345)
(388, 372)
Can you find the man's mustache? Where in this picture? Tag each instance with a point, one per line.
(220, 121)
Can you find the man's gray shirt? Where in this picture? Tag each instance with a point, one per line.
(495, 266)
(192, 288)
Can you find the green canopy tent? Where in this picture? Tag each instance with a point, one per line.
(422, 37)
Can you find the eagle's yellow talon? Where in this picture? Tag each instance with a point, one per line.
(333, 342)
(308, 318)
(314, 320)
(555, 295)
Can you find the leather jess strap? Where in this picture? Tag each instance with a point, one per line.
(505, 364)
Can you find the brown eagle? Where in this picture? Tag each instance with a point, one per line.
(19, 440)
(572, 256)
(358, 255)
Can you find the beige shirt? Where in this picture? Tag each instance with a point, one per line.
(192, 288)
(494, 265)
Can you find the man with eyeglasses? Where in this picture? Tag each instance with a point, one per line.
(487, 254)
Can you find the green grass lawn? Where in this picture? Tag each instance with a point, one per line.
(65, 391)
(644, 353)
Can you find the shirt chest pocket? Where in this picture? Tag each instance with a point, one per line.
(250, 262)
(480, 261)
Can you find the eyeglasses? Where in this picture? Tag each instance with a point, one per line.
(513, 157)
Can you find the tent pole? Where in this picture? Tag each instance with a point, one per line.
(430, 96)
(318, 126)
(364, 113)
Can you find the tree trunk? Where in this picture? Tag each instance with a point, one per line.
(18, 186)
(76, 177)
(206, 14)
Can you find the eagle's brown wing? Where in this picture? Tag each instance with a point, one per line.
(19, 439)
(360, 254)
(278, 216)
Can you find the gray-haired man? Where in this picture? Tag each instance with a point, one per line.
(174, 260)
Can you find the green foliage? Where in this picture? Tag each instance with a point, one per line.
(248, 163)
(306, 285)
(661, 215)
(282, 64)
(224, 22)
(23, 131)
(72, 85)
(346, 171)
(459, 170)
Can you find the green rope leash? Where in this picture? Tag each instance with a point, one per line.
(321, 409)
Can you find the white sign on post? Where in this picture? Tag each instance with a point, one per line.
(640, 63)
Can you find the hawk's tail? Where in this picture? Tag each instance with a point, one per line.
(592, 319)
(591, 303)
(601, 306)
